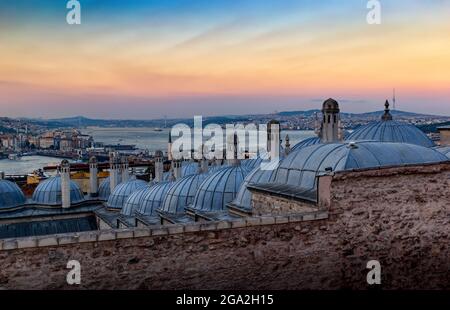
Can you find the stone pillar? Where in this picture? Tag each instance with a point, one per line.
(159, 166)
(65, 184)
(93, 177)
(177, 169)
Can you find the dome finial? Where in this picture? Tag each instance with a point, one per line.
(387, 112)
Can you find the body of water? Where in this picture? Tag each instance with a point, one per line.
(149, 139)
(143, 138)
(26, 164)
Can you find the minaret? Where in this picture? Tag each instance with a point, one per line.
(387, 113)
(177, 169)
(114, 171)
(124, 169)
(93, 178)
(287, 147)
(65, 183)
(159, 166)
(169, 147)
(330, 127)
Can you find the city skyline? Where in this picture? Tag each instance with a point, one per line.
(147, 59)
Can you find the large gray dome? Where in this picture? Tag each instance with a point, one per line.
(244, 196)
(391, 131)
(219, 189)
(134, 201)
(10, 195)
(300, 168)
(48, 192)
(153, 198)
(182, 193)
(122, 191)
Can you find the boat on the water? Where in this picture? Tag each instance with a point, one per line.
(14, 156)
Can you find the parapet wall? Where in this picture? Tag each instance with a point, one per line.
(398, 217)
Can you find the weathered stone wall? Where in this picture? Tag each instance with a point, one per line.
(264, 204)
(397, 216)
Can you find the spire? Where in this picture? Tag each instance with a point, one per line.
(387, 114)
(170, 137)
(393, 100)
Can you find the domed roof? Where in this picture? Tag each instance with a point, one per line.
(153, 198)
(182, 193)
(444, 150)
(244, 196)
(134, 201)
(48, 192)
(391, 131)
(10, 195)
(122, 191)
(300, 168)
(305, 143)
(219, 188)
(388, 130)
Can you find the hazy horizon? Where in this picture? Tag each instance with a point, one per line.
(148, 59)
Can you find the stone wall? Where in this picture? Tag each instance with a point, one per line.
(265, 203)
(397, 216)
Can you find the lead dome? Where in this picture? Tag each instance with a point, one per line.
(10, 195)
(48, 192)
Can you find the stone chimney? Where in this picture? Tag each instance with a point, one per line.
(177, 169)
(169, 147)
(114, 168)
(65, 183)
(159, 166)
(93, 178)
(124, 169)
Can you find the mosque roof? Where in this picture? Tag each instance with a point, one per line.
(301, 167)
(182, 193)
(10, 195)
(122, 191)
(48, 192)
(444, 150)
(134, 201)
(153, 198)
(219, 189)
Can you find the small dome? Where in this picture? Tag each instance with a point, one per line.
(134, 201)
(305, 143)
(153, 198)
(301, 167)
(48, 192)
(104, 190)
(244, 196)
(10, 195)
(189, 168)
(219, 189)
(122, 191)
(93, 160)
(182, 193)
(391, 131)
(159, 153)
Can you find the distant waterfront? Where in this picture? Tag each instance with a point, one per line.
(149, 139)
(143, 138)
(26, 164)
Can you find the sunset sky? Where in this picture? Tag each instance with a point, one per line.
(147, 58)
